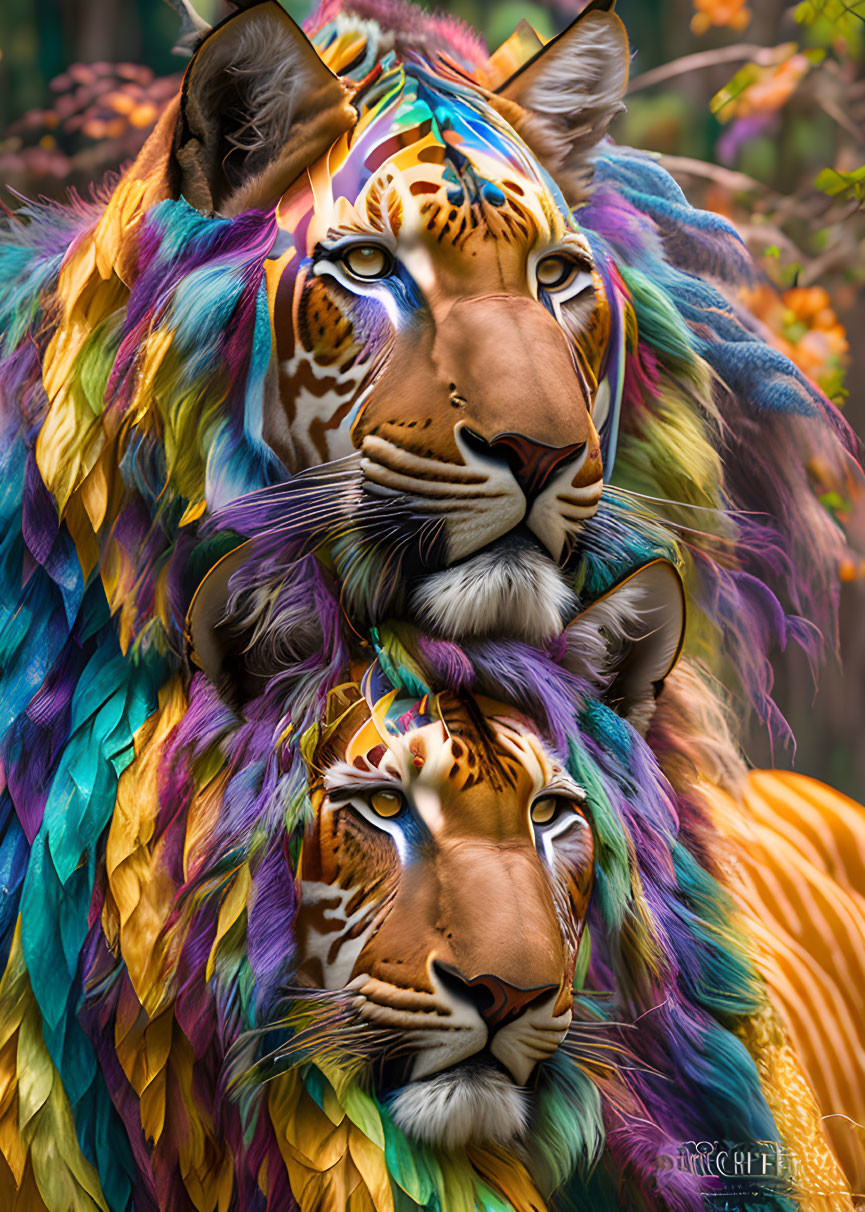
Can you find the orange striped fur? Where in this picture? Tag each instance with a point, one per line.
(797, 860)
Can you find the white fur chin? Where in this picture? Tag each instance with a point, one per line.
(462, 1107)
(515, 592)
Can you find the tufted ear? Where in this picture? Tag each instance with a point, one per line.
(257, 107)
(193, 27)
(242, 644)
(628, 641)
(567, 94)
(216, 644)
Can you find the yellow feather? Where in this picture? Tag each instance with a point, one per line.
(344, 49)
(313, 1137)
(71, 438)
(27, 1197)
(332, 1108)
(154, 349)
(506, 1175)
(150, 1045)
(79, 269)
(193, 512)
(81, 529)
(458, 1184)
(202, 1158)
(139, 887)
(322, 191)
(232, 905)
(13, 989)
(37, 1133)
(143, 1051)
(202, 816)
(94, 493)
(331, 1167)
(112, 232)
(11, 1144)
(273, 271)
(372, 1167)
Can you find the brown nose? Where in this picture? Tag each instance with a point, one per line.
(532, 463)
(495, 1000)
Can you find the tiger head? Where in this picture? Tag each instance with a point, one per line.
(446, 877)
(445, 882)
(437, 314)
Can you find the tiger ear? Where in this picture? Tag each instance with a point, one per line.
(214, 641)
(628, 641)
(568, 93)
(243, 640)
(257, 107)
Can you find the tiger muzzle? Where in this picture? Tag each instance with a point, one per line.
(531, 463)
(519, 376)
(499, 366)
(497, 1001)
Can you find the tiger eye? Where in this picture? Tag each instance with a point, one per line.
(367, 261)
(554, 271)
(544, 810)
(386, 803)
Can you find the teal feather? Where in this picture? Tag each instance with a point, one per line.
(660, 323)
(408, 1167)
(569, 1128)
(612, 889)
(722, 981)
(112, 700)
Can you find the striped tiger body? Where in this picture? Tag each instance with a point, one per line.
(799, 872)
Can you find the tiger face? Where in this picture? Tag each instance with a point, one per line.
(437, 316)
(444, 883)
(446, 325)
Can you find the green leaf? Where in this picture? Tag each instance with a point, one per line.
(837, 12)
(831, 21)
(837, 184)
(834, 502)
(743, 78)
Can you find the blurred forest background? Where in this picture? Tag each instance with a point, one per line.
(757, 108)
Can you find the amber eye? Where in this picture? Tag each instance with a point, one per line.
(367, 261)
(552, 808)
(387, 803)
(555, 271)
(543, 811)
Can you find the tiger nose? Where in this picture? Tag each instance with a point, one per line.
(531, 463)
(495, 1000)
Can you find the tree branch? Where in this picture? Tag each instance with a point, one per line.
(741, 52)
